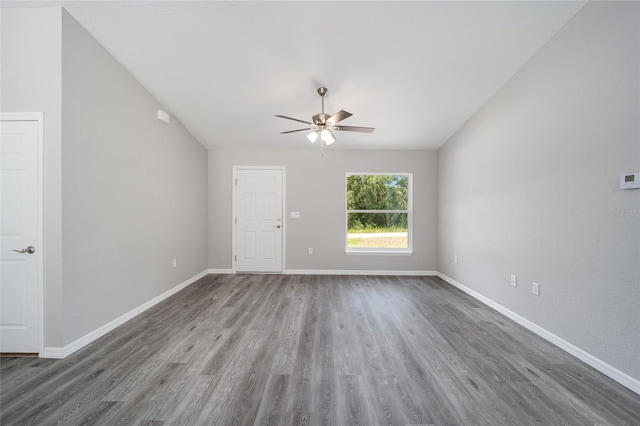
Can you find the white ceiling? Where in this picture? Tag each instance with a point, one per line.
(416, 71)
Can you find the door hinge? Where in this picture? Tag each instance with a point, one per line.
(236, 182)
(235, 219)
(235, 258)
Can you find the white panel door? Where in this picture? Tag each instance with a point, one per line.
(19, 233)
(258, 220)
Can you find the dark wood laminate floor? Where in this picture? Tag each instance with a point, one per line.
(326, 350)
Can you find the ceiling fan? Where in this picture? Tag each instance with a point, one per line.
(323, 125)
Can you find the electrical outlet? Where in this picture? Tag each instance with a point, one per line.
(455, 258)
(514, 281)
(310, 250)
(535, 289)
(175, 263)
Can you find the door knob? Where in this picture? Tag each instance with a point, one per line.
(277, 226)
(30, 250)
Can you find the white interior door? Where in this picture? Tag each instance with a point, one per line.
(258, 220)
(20, 237)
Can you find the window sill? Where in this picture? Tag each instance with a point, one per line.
(379, 252)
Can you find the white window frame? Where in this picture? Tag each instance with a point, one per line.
(380, 251)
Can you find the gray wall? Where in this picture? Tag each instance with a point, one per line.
(124, 193)
(529, 186)
(134, 190)
(31, 74)
(315, 187)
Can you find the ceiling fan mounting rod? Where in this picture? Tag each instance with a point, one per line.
(322, 91)
(321, 119)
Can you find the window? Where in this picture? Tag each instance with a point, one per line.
(378, 213)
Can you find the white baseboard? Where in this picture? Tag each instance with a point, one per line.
(335, 272)
(220, 271)
(356, 272)
(54, 352)
(606, 369)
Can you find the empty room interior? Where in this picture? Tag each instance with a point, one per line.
(237, 212)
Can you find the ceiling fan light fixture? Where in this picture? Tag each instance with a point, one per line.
(312, 136)
(327, 136)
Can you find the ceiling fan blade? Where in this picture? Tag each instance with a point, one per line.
(355, 129)
(294, 119)
(338, 116)
(299, 130)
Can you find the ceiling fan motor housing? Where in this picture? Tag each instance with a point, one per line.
(320, 119)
